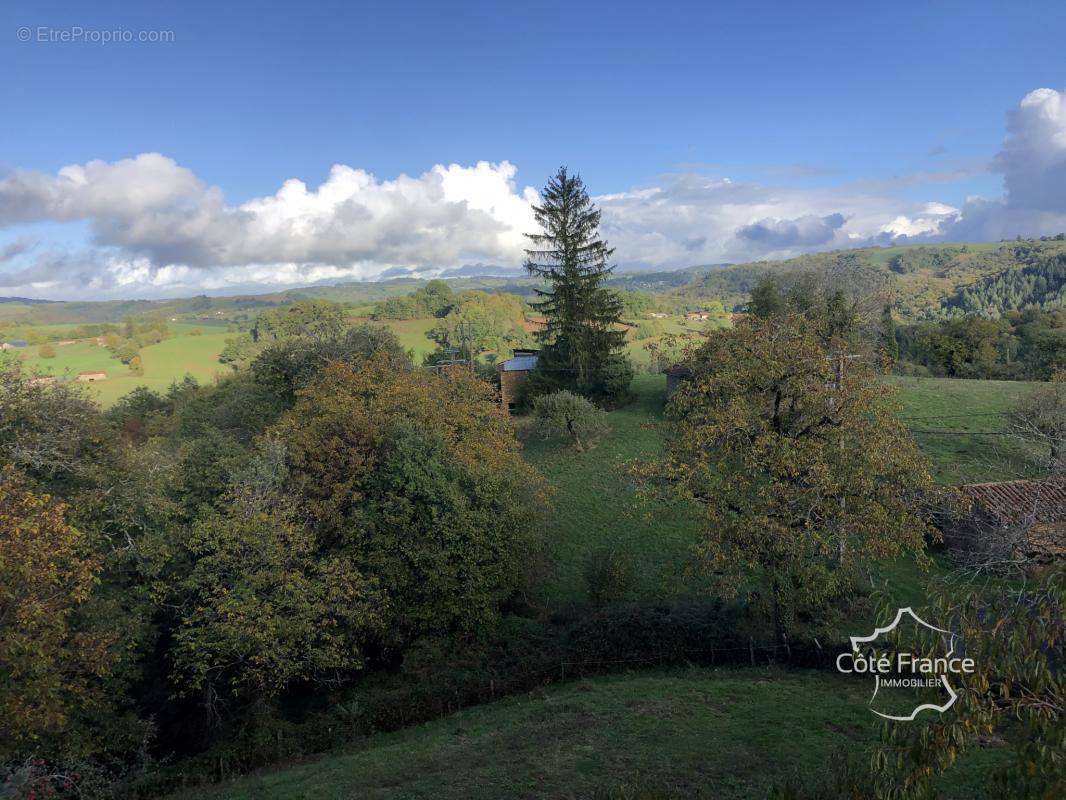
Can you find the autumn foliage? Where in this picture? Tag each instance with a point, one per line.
(803, 469)
(50, 662)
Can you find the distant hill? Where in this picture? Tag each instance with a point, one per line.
(921, 281)
(29, 301)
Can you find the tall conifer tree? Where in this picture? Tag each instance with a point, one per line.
(581, 339)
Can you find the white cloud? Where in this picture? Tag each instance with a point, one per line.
(157, 229)
(1033, 165)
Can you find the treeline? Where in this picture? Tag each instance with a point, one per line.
(435, 299)
(1020, 345)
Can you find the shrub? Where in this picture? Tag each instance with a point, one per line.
(610, 576)
(46, 351)
(567, 414)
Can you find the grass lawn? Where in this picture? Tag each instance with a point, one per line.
(725, 733)
(596, 505)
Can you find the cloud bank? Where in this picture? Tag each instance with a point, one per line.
(156, 229)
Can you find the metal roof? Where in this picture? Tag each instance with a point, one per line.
(517, 364)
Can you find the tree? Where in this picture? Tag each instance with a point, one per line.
(263, 610)
(582, 334)
(803, 469)
(294, 362)
(50, 662)
(417, 478)
(480, 321)
(53, 433)
(1015, 636)
(766, 299)
(1040, 417)
(315, 319)
(567, 414)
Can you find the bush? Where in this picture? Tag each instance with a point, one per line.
(567, 414)
(46, 351)
(610, 576)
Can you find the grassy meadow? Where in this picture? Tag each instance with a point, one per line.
(727, 734)
(182, 354)
(190, 350)
(960, 425)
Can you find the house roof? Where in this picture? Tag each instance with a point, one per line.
(1014, 502)
(520, 363)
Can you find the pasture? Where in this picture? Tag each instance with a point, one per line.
(727, 733)
(164, 363)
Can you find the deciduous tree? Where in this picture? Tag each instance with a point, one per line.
(803, 468)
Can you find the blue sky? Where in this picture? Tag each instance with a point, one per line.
(908, 102)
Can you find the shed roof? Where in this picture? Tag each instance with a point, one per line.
(1014, 502)
(520, 363)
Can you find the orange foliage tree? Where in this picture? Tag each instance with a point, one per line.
(50, 665)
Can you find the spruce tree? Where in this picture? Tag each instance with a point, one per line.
(581, 341)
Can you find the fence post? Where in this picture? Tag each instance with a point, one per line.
(751, 650)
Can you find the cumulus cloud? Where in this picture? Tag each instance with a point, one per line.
(1033, 165)
(1033, 159)
(805, 231)
(156, 229)
(126, 189)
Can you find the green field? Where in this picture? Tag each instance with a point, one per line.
(960, 425)
(164, 363)
(171, 360)
(723, 733)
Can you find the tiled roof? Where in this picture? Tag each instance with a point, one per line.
(1013, 502)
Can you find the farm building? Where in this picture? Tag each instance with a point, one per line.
(91, 377)
(12, 345)
(513, 373)
(674, 376)
(697, 316)
(1010, 518)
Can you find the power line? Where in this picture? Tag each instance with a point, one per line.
(961, 433)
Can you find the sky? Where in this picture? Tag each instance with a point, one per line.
(153, 150)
